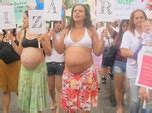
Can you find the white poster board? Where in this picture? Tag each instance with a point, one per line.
(105, 10)
(7, 17)
(19, 7)
(36, 23)
(124, 8)
(144, 76)
(52, 10)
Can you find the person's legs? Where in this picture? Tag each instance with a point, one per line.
(119, 70)
(110, 73)
(59, 68)
(51, 85)
(134, 99)
(6, 101)
(104, 72)
(104, 67)
(58, 86)
(119, 79)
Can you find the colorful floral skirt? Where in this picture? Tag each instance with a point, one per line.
(33, 89)
(9, 76)
(79, 91)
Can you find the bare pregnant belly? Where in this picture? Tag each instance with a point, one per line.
(31, 57)
(78, 60)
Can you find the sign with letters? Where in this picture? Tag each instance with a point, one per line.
(144, 76)
(124, 8)
(36, 23)
(7, 17)
(52, 10)
(105, 10)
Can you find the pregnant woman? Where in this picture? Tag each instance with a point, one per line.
(33, 73)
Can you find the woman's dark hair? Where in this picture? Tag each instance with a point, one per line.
(54, 22)
(4, 33)
(131, 22)
(26, 13)
(121, 32)
(13, 31)
(87, 21)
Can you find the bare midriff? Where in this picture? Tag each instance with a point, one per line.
(78, 59)
(32, 57)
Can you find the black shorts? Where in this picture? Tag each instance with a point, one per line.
(55, 68)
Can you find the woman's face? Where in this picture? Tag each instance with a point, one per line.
(25, 21)
(58, 26)
(138, 19)
(124, 26)
(79, 13)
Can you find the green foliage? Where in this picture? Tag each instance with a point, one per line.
(68, 3)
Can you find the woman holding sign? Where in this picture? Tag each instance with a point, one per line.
(55, 68)
(79, 81)
(130, 42)
(33, 73)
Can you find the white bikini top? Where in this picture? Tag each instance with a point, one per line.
(85, 41)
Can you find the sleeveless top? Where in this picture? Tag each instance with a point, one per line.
(55, 56)
(30, 43)
(85, 41)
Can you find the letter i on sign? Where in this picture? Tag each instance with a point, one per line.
(6, 17)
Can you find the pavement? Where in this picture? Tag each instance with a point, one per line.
(106, 101)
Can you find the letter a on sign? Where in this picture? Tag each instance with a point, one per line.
(36, 23)
(52, 10)
(7, 17)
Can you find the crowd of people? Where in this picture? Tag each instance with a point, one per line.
(68, 61)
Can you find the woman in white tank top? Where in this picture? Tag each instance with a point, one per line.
(55, 67)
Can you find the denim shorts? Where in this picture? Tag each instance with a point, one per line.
(55, 68)
(119, 67)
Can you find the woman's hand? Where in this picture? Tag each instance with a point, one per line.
(9, 36)
(44, 40)
(144, 94)
(105, 34)
(41, 38)
(51, 34)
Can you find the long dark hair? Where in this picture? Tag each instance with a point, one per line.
(13, 31)
(87, 21)
(26, 13)
(121, 32)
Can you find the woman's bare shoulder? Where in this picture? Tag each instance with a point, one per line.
(65, 30)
